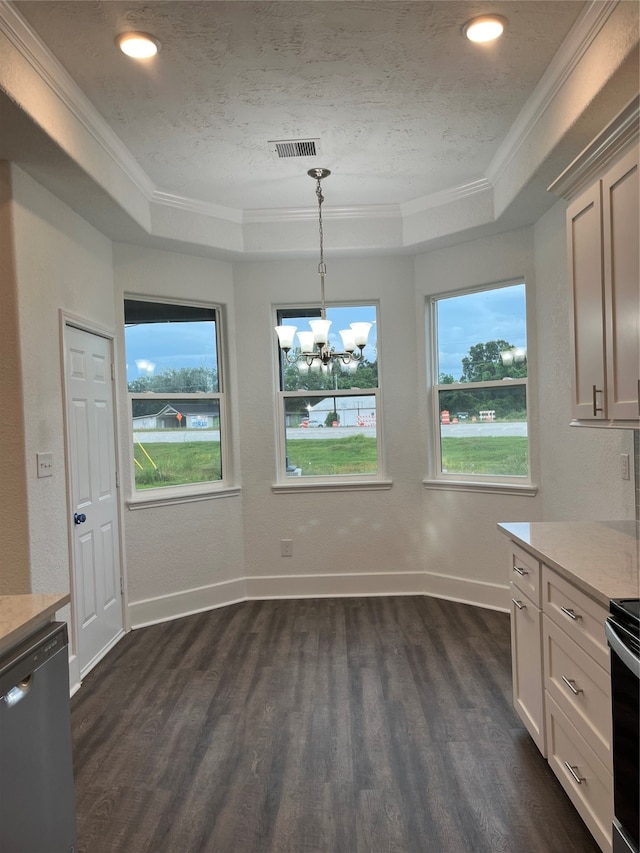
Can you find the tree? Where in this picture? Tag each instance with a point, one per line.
(177, 380)
(484, 363)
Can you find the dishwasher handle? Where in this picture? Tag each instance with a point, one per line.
(17, 693)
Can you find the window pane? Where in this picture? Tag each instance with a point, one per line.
(484, 431)
(170, 349)
(363, 374)
(331, 436)
(475, 330)
(175, 442)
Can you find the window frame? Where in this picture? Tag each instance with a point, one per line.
(324, 482)
(186, 492)
(462, 481)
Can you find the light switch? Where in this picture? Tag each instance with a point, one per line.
(45, 464)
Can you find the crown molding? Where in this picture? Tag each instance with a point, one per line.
(623, 132)
(201, 208)
(301, 214)
(445, 197)
(55, 76)
(573, 48)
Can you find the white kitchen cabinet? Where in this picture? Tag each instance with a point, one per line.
(561, 684)
(603, 250)
(526, 645)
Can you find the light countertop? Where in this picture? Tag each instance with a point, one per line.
(601, 558)
(21, 615)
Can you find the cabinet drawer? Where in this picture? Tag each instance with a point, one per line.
(581, 688)
(584, 777)
(526, 666)
(578, 615)
(525, 573)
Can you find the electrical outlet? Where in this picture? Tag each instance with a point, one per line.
(286, 547)
(625, 470)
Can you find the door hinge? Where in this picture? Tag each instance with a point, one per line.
(117, 481)
(113, 372)
(121, 585)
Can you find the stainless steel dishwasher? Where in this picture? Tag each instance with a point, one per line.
(37, 803)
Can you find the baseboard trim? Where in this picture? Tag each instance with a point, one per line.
(493, 596)
(336, 586)
(164, 608)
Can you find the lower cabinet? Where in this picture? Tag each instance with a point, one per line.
(561, 685)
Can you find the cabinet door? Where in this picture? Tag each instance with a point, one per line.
(584, 240)
(526, 666)
(621, 229)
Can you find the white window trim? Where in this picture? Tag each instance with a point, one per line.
(189, 492)
(327, 483)
(486, 483)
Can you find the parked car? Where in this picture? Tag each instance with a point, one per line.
(312, 424)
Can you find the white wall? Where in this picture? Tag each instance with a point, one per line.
(61, 263)
(580, 467)
(465, 556)
(343, 535)
(184, 557)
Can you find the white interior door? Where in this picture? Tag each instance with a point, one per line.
(92, 466)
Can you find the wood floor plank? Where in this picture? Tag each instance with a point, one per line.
(315, 726)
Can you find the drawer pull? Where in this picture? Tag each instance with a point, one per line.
(572, 770)
(570, 613)
(572, 685)
(519, 604)
(520, 571)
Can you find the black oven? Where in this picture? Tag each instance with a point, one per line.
(623, 635)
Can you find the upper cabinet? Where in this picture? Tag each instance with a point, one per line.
(603, 234)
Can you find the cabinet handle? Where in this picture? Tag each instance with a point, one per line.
(572, 770)
(519, 604)
(570, 613)
(595, 405)
(638, 397)
(572, 685)
(520, 571)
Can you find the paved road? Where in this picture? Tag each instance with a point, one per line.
(460, 430)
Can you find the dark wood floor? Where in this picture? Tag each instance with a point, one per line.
(315, 726)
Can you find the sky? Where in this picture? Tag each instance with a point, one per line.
(474, 318)
(462, 322)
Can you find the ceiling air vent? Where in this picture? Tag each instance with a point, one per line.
(295, 147)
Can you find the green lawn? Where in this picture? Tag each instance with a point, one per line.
(199, 461)
(356, 454)
(177, 463)
(490, 454)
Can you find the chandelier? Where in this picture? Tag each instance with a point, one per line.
(315, 351)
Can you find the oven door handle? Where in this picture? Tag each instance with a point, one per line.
(625, 654)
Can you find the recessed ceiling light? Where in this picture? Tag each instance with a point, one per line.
(485, 28)
(138, 45)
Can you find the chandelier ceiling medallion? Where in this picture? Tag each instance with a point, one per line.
(315, 351)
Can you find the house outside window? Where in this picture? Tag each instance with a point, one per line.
(329, 422)
(479, 385)
(175, 394)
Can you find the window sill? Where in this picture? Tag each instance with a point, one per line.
(324, 486)
(527, 490)
(179, 496)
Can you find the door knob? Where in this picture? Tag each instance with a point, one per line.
(79, 517)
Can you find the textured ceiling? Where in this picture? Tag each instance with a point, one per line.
(403, 105)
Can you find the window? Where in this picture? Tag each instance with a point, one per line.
(174, 383)
(329, 418)
(479, 382)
